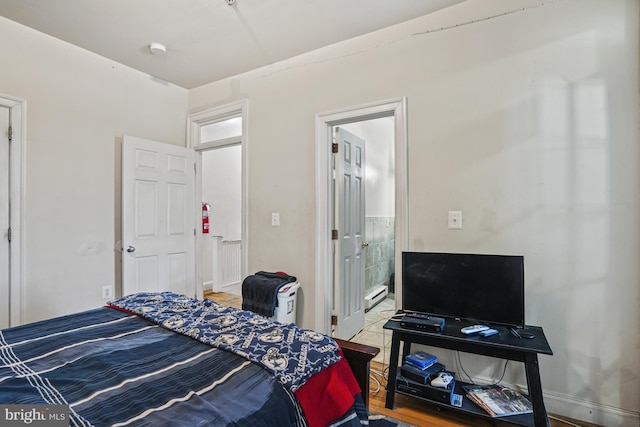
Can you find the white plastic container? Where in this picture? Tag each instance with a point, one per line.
(287, 298)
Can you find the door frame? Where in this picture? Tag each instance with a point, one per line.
(16, 196)
(194, 122)
(396, 108)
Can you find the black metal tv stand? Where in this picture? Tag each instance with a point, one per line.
(503, 346)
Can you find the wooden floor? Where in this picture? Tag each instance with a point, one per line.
(406, 409)
(229, 300)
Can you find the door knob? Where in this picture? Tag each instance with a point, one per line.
(131, 249)
(365, 244)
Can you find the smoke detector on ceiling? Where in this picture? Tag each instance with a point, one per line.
(157, 48)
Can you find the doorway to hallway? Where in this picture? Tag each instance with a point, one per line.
(222, 246)
(219, 137)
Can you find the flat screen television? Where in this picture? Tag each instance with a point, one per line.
(486, 289)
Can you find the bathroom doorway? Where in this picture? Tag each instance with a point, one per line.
(395, 112)
(379, 236)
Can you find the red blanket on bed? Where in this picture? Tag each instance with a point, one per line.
(327, 395)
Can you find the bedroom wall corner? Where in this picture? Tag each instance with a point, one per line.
(80, 105)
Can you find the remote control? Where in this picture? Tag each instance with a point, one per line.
(488, 332)
(442, 380)
(473, 329)
(519, 333)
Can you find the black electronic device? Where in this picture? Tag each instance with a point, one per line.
(472, 287)
(422, 376)
(421, 322)
(426, 390)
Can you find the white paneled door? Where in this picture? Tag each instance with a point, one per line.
(4, 218)
(350, 222)
(158, 235)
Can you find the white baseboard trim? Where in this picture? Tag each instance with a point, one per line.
(229, 285)
(591, 412)
(564, 406)
(232, 288)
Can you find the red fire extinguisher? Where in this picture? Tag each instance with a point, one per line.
(205, 217)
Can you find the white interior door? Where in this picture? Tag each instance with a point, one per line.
(350, 223)
(158, 234)
(4, 218)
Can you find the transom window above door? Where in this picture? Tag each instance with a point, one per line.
(221, 130)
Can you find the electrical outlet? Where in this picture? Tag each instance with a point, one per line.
(107, 292)
(455, 220)
(275, 219)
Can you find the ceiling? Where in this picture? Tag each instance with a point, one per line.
(208, 40)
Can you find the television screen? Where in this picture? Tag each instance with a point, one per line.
(477, 288)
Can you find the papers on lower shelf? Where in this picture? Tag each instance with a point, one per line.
(497, 400)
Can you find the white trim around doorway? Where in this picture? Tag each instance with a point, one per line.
(16, 194)
(195, 121)
(324, 205)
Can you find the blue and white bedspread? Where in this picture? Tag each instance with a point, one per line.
(113, 368)
(292, 354)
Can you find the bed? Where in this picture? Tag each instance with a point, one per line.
(153, 359)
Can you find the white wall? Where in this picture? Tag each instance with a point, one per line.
(524, 115)
(79, 105)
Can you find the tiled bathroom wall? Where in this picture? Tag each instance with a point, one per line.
(379, 263)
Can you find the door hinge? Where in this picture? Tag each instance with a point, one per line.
(9, 234)
(334, 320)
(334, 147)
(10, 133)
(334, 234)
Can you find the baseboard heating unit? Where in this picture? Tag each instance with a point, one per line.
(374, 297)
